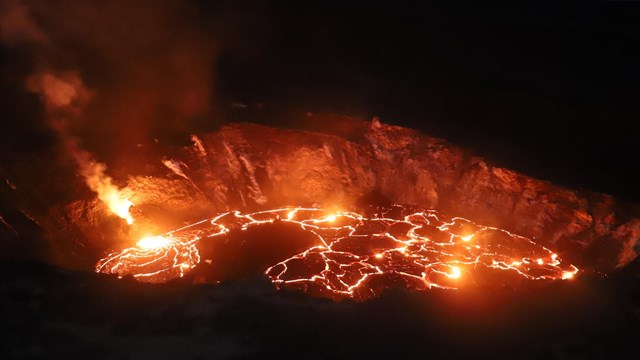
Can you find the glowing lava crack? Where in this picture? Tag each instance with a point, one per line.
(357, 256)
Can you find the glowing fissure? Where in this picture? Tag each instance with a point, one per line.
(357, 256)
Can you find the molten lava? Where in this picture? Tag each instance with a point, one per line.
(153, 242)
(357, 256)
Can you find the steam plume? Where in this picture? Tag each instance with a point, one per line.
(149, 61)
(65, 96)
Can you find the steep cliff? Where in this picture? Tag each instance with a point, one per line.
(249, 166)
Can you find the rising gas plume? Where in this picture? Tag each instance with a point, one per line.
(112, 76)
(65, 96)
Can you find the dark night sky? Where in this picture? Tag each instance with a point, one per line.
(546, 88)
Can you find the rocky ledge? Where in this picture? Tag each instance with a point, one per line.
(249, 166)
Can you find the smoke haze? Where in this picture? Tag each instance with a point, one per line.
(113, 77)
(149, 63)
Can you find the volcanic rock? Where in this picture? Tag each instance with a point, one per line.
(248, 166)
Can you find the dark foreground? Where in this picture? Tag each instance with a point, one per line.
(47, 312)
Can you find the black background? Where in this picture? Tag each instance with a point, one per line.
(546, 88)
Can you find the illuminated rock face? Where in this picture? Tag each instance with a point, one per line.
(248, 166)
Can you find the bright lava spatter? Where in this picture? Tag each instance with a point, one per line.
(355, 256)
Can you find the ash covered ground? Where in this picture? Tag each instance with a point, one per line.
(49, 312)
